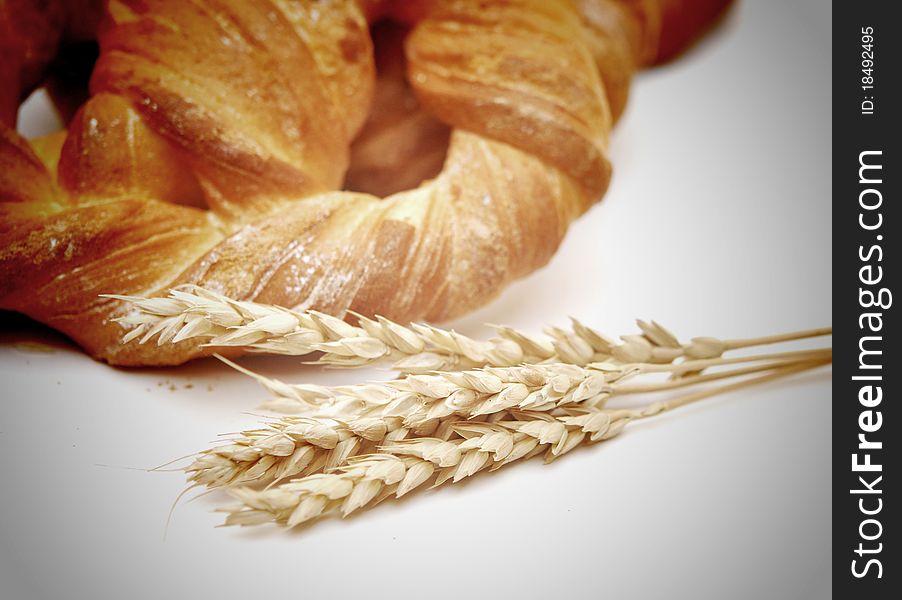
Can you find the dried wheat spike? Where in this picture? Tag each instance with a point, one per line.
(405, 465)
(194, 312)
(420, 405)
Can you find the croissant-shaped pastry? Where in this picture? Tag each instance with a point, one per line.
(218, 131)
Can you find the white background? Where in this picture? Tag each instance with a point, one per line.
(717, 223)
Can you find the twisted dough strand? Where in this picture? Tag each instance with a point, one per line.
(250, 110)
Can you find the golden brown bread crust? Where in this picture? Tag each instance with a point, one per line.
(250, 109)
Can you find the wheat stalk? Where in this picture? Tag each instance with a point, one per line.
(364, 416)
(448, 377)
(405, 465)
(529, 384)
(192, 312)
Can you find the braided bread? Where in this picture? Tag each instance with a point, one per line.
(218, 131)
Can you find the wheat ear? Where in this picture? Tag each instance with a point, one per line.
(415, 392)
(405, 465)
(194, 312)
(420, 405)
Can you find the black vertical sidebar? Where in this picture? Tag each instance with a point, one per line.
(867, 226)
